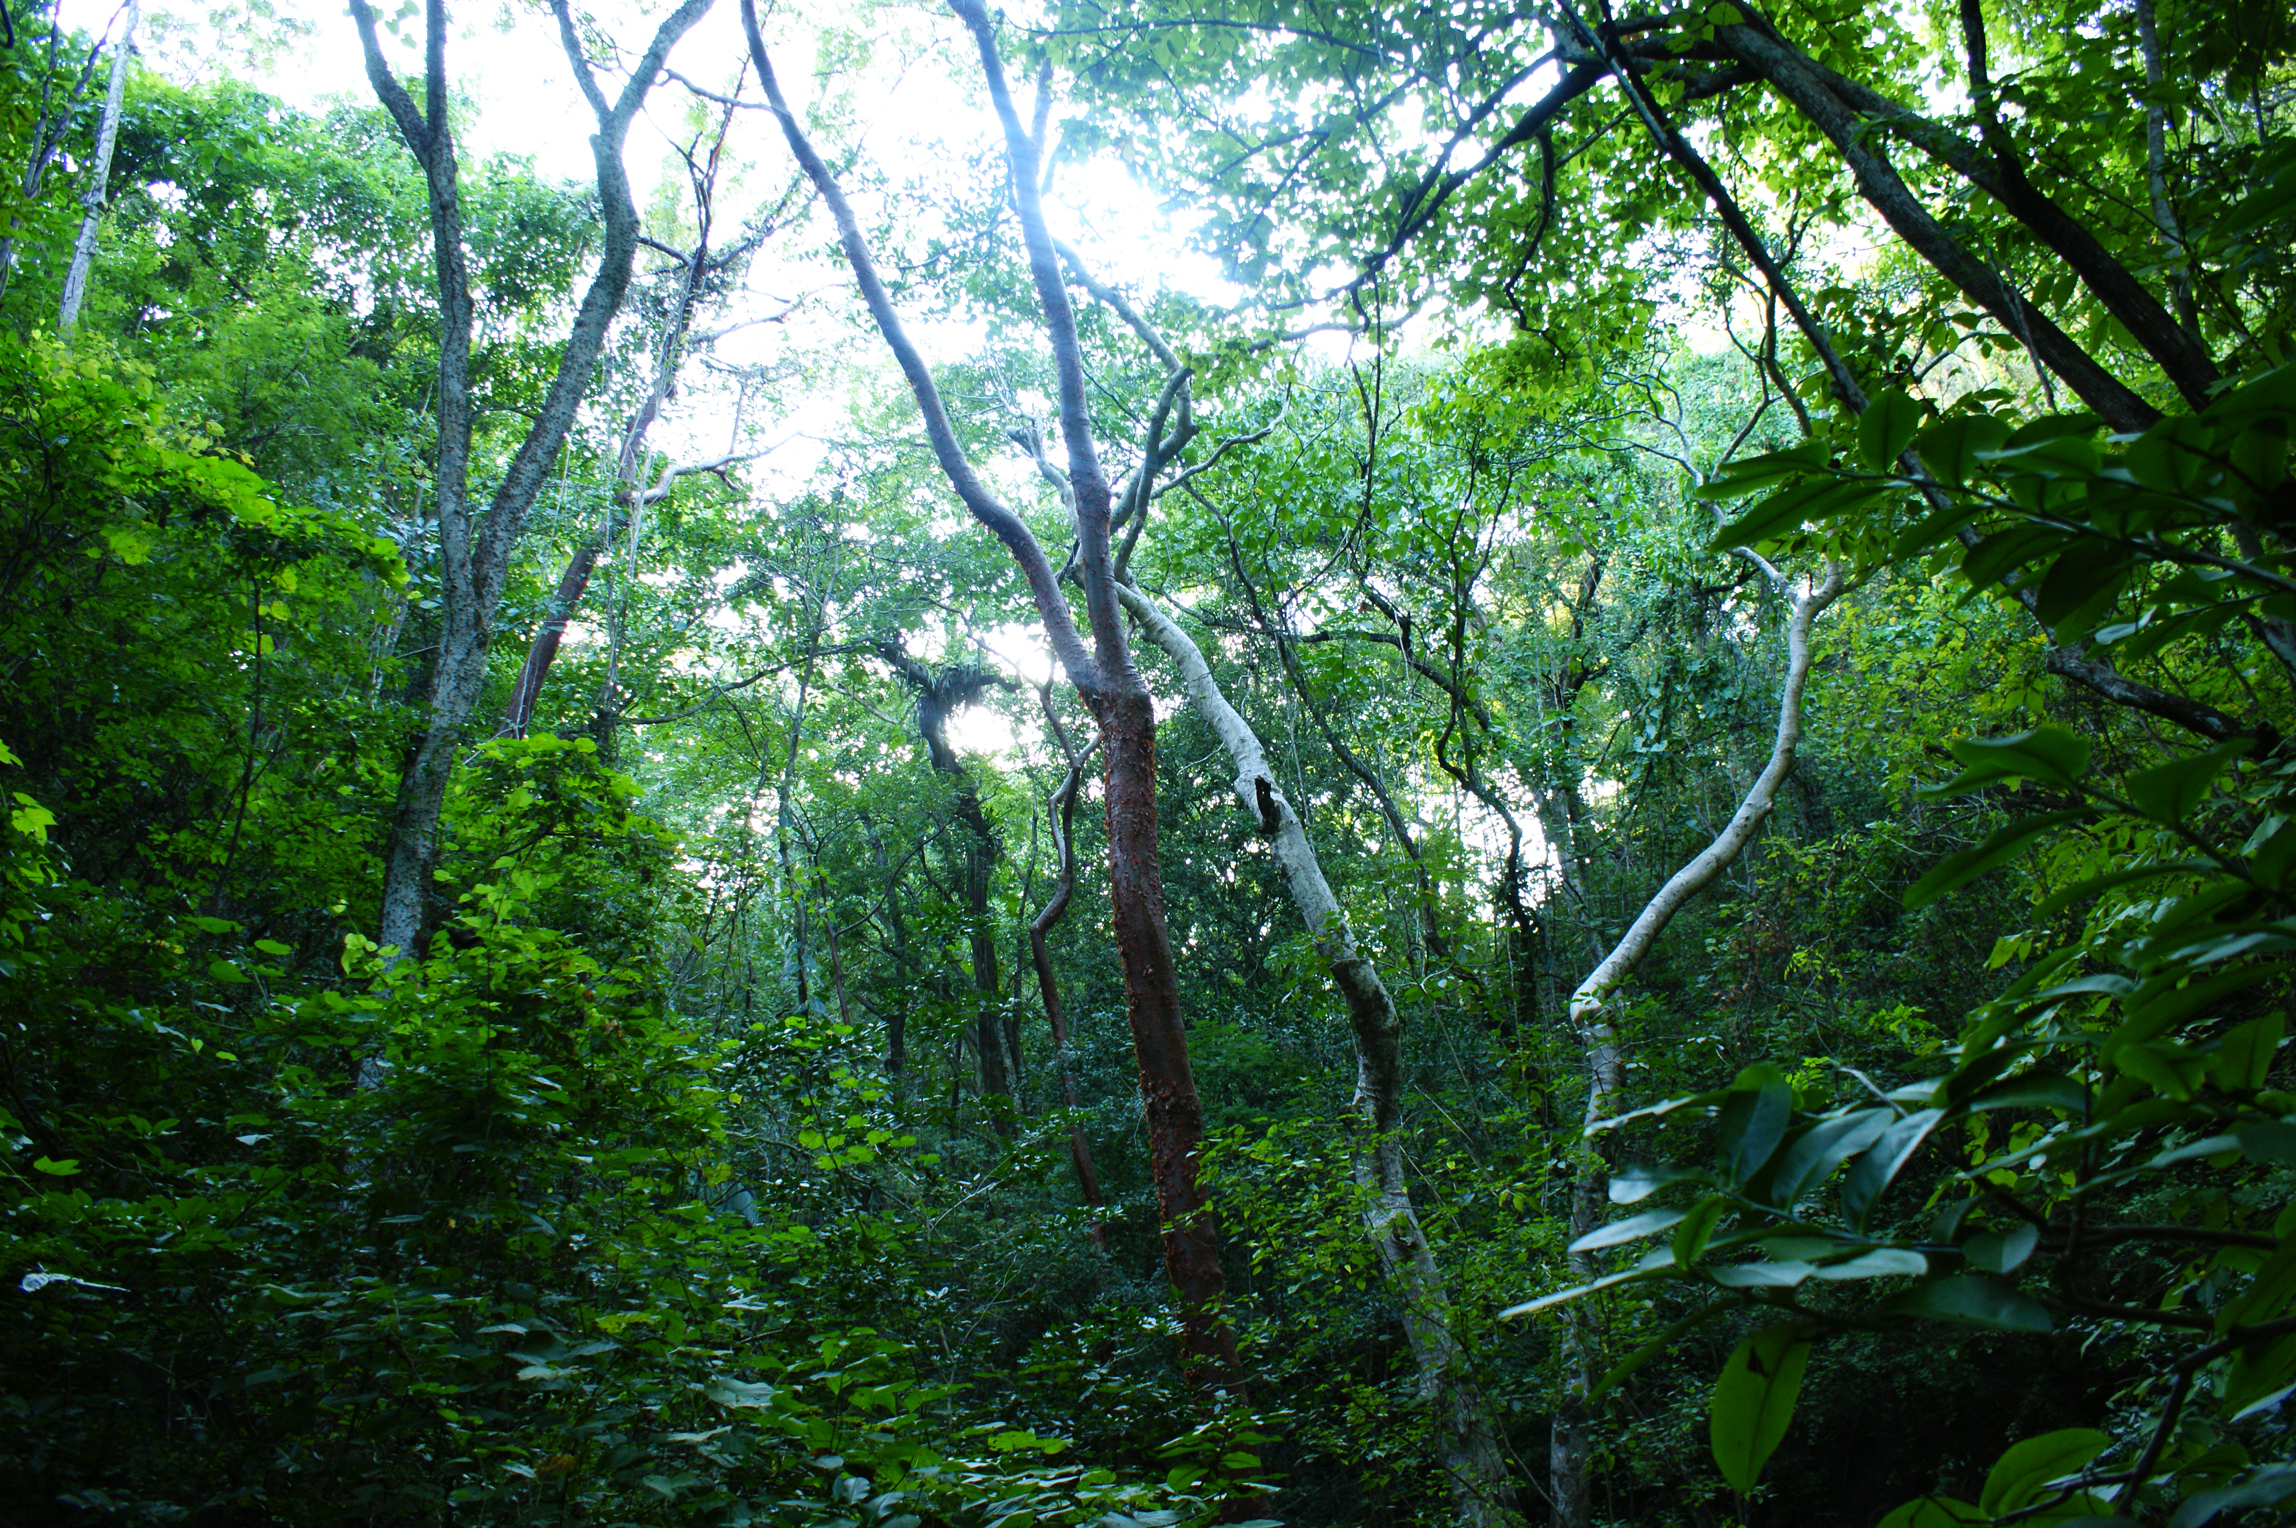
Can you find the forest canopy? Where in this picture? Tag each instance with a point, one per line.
(1148, 764)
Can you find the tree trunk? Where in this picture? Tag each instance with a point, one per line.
(1104, 676)
(1060, 817)
(518, 715)
(1467, 1440)
(1879, 183)
(99, 182)
(1569, 1480)
(474, 553)
(937, 696)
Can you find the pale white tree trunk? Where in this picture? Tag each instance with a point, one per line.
(99, 179)
(1482, 1495)
(1569, 1445)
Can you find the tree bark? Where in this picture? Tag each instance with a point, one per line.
(1879, 183)
(1060, 819)
(1104, 676)
(475, 555)
(938, 695)
(1468, 1442)
(2156, 171)
(99, 182)
(49, 129)
(1570, 1482)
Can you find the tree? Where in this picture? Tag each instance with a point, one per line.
(1104, 676)
(475, 556)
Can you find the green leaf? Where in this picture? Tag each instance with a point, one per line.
(1950, 448)
(2034, 1090)
(2160, 1004)
(2268, 1487)
(2048, 753)
(2267, 1295)
(2244, 1057)
(2058, 901)
(2002, 1251)
(1886, 428)
(55, 1169)
(1986, 563)
(2003, 845)
(1635, 1183)
(2267, 1140)
(1973, 1300)
(1935, 1512)
(1754, 473)
(2169, 792)
(1784, 512)
(1881, 1263)
(1633, 1228)
(1881, 1162)
(1754, 1401)
(2081, 573)
(1753, 1119)
(1691, 1236)
(1813, 1156)
(2257, 1371)
(2026, 1470)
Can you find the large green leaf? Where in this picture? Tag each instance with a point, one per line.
(1935, 1512)
(1823, 1147)
(2169, 792)
(2049, 754)
(1754, 1401)
(2000, 847)
(1886, 428)
(1950, 447)
(1881, 1162)
(1753, 1119)
(2021, 1474)
(1755, 473)
(1974, 1300)
(1786, 511)
(1633, 1228)
(2244, 1057)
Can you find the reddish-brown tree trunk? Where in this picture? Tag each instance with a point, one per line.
(1152, 994)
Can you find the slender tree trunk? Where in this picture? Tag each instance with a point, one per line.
(1104, 676)
(49, 129)
(896, 1014)
(518, 715)
(99, 182)
(1467, 1440)
(1060, 817)
(1569, 1447)
(2156, 172)
(475, 554)
(938, 695)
